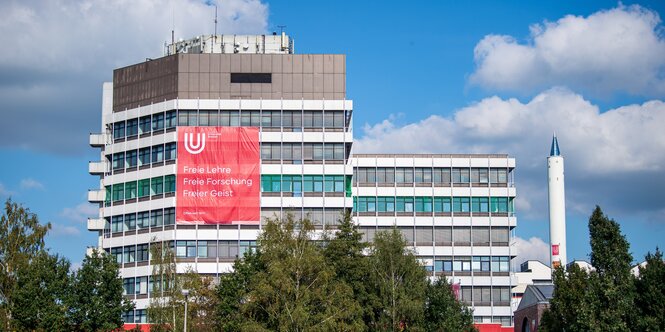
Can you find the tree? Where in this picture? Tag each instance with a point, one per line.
(298, 290)
(21, 238)
(233, 291)
(39, 300)
(201, 301)
(611, 283)
(570, 307)
(164, 311)
(443, 312)
(650, 289)
(398, 282)
(344, 253)
(96, 301)
(603, 299)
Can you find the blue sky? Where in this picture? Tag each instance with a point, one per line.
(445, 77)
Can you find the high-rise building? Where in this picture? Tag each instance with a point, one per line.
(196, 147)
(557, 205)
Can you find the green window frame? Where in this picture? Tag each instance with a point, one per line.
(386, 204)
(118, 192)
(130, 190)
(169, 183)
(442, 204)
(157, 185)
(479, 204)
(404, 204)
(144, 187)
(461, 204)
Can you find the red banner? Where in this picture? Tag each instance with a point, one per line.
(555, 249)
(219, 177)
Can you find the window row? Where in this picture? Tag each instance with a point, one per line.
(475, 264)
(144, 124)
(433, 204)
(143, 156)
(318, 216)
(185, 249)
(141, 188)
(308, 183)
(297, 152)
(140, 317)
(478, 235)
(276, 119)
(273, 119)
(430, 175)
(141, 220)
(497, 295)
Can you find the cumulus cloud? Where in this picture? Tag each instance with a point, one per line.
(50, 81)
(532, 249)
(619, 148)
(80, 213)
(617, 50)
(30, 184)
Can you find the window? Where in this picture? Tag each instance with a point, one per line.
(246, 246)
(462, 234)
(144, 124)
(423, 175)
(202, 251)
(404, 175)
(169, 216)
(116, 224)
(442, 204)
(157, 185)
(423, 204)
(228, 249)
(129, 254)
(117, 254)
(480, 235)
(128, 316)
(170, 151)
(119, 130)
(141, 316)
(131, 158)
(132, 128)
(386, 204)
(157, 153)
(461, 204)
(251, 78)
(186, 249)
(385, 175)
(142, 252)
(170, 120)
(443, 234)
(480, 204)
(144, 156)
(118, 160)
(499, 204)
(118, 192)
(143, 219)
(130, 190)
(144, 188)
(424, 235)
(404, 204)
(441, 175)
(499, 234)
(130, 221)
(156, 218)
(158, 121)
(128, 286)
(169, 183)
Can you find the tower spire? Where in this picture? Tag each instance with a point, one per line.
(554, 150)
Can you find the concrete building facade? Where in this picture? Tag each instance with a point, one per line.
(456, 210)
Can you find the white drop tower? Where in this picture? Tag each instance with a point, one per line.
(557, 205)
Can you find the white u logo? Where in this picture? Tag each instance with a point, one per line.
(195, 148)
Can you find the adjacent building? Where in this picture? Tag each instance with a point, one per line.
(197, 147)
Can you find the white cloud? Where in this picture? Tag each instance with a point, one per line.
(64, 231)
(620, 148)
(30, 183)
(616, 50)
(532, 249)
(62, 51)
(81, 212)
(4, 191)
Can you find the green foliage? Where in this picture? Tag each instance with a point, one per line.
(233, 291)
(164, 312)
(297, 291)
(21, 239)
(398, 282)
(96, 301)
(344, 253)
(570, 307)
(650, 300)
(443, 312)
(39, 300)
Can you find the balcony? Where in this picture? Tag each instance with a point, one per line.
(96, 224)
(96, 167)
(96, 195)
(97, 140)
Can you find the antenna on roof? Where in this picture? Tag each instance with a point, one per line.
(173, 29)
(214, 37)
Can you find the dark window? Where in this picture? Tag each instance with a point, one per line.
(251, 78)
